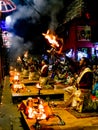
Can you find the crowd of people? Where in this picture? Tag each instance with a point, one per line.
(80, 79)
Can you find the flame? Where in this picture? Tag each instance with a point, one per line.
(51, 38)
(26, 54)
(16, 76)
(38, 86)
(19, 59)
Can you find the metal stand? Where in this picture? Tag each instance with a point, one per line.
(37, 125)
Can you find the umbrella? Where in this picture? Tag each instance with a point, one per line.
(7, 6)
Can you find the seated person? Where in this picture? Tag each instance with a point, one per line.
(95, 88)
(81, 97)
(33, 74)
(44, 73)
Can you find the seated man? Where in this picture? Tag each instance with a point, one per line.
(81, 97)
(84, 83)
(43, 73)
(33, 74)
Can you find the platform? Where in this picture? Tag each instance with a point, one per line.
(8, 109)
(71, 122)
(32, 91)
(29, 82)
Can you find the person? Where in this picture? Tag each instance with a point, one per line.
(44, 69)
(94, 68)
(43, 73)
(95, 88)
(84, 83)
(80, 98)
(33, 74)
(85, 77)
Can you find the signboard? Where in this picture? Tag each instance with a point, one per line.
(6, 39)
(83, 33)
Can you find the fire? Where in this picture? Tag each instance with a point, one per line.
(56, 43)
(33, 112)
(26, 54)
(16, 77)
(19, 59)
(38, 86)
(51, 38)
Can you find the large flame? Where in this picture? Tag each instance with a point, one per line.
(51, 38)
(56, 42)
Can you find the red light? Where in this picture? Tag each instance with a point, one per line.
(87, 15)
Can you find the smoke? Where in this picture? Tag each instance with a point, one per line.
(37, 8)
(18, 46)
(24, 12)
(50, 8)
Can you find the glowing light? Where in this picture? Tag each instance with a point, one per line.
(8, 20)
(19, 59)
(51, 38)
(38, 86)
(26, 54)
(81, 54)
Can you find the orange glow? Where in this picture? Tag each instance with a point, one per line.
(26, 54)
(38, 86)
(16, 77)
(19, 59)
(48, 110)
(56, 42)
(51, 38)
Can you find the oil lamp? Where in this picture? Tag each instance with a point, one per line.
(40, 115)
(39, 88)
(39, 110)
(17, 86)
(16, 78)
(44, 112)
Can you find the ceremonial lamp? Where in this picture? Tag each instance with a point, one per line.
(39, 88)
(43, 111)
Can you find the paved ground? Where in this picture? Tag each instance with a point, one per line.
(9, 114)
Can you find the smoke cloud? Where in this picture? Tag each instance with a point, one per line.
(38, 8)
(50, 8)
(35, 9)
(18, 46)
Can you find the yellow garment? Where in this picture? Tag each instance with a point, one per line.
(82, 73)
